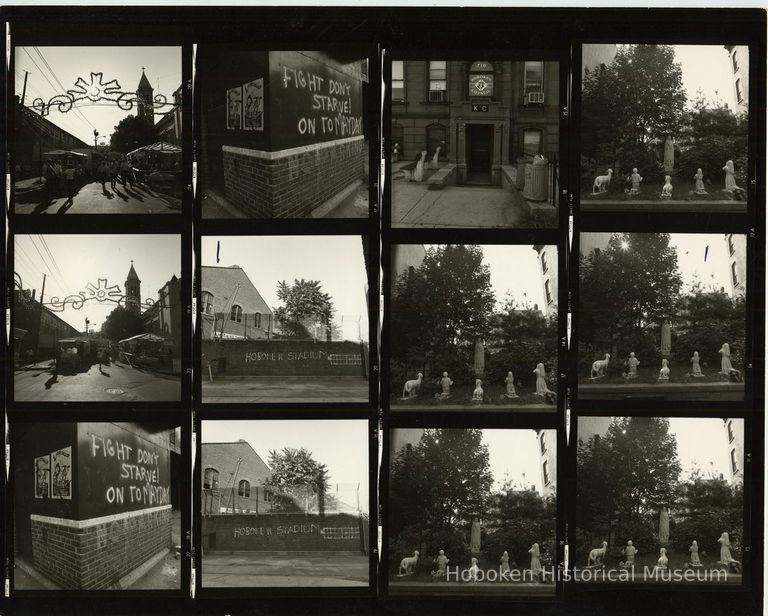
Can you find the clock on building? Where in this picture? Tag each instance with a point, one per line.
(481, 85)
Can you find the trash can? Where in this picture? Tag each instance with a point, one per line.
(522, 161)
(536, 181)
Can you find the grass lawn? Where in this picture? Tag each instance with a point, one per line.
(650, 374)
(682, 190)
(462, 394)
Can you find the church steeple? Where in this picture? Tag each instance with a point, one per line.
(133, 291)
(145, 95)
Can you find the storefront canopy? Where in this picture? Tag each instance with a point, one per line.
(161, 147)
(147, 337)
(64, 153)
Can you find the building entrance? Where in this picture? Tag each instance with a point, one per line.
(479, 153)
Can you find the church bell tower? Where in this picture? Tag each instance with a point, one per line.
(133, 291)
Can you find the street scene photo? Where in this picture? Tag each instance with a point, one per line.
(96, 506)
(97, 130)
(97, 318)
(662, 316)
(475, 143)
(664, 128)
(472, 511)
(473, 327)
(284, 134)
(284, 318)
(285, 503)
(660, 500)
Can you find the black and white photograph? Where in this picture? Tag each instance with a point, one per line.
(97, 130)
(662, 316)
(664, 128)
(472, 511)
(284, 319)
(473, 327)
(97, 318)
(285, 503)
(660, 500)
(475, 143)
(284, 133)
(96, 506)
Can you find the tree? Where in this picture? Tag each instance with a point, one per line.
(305, 306)
(437, 487)
(636, 99)
(122, 323)
(442, 306)
(130, 133)
(300, 481)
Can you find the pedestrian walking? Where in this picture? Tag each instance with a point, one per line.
(69, 178)
(126, 173)
(113, 169)
(49, 175)
(101, 170)
(59, 176)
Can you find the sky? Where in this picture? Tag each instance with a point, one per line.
(163, 69)
(702, 444)
(340, 444)
(515, 269)
(72, 261)
(335, 260)
(514, 455)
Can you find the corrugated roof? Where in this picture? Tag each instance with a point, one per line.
(222, 282)
(224, 457)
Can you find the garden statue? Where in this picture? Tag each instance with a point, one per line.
(699, 181)
(541, 382)
(408, 564)
(539, 159)
(666, 190)
(730, 181)
(695, 366)
(663, 563)
(601, 182)
(635, 180)
(664, 372)
(442, 563)
(669, 155)
(596, 555)
(510, 381)
(479, 365)
(600, 366)
(445, 385)
(536, 567)
(435, 157)
(504, 560)
(418, 175)
(694, 550)
(664, 526)
(666, 339)
(396, 153)
(725, 551)
(725, 359)
(630, 551)
(474, 570)
(632, 364)
(411, 388)
(477, 394)
(474, 537)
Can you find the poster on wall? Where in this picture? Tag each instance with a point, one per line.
(235, 108)
(253, 93)
(61, 461)
(43, 477)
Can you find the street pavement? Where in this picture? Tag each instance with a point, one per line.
(91, 199)
(414, 205)
(295, 569)
(285, 389)
(116, 382)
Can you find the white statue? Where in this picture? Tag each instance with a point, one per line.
(442, 563)
(418, 175)
(725, 359)
(635, 180)
(698, 179)
(536, 567)
(725, 550)
(435, 157)
(666, 339)
(663, 562)
(730, 181)
(510, 381)
(601, 182)
(600, 366)
(630, 551)
(666, 190)
(504, 560)
(539, 159)
(474, 537)
(541, 380)
(664, 526)
(408, 563)
(477, 394)
(696, 366)
(694, 550)
(411, 388)
(664, 372)
(669, 154)
(445, 386)
(474, 570)
(596, 555)
(632, 364)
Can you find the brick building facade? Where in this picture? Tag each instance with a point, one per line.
(482, 114)
(282, 131)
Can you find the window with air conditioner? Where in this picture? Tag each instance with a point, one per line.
(398, 80)
(438, 81)
(533, 88)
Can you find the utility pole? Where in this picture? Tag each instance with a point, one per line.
(40, 319)
(24, 89)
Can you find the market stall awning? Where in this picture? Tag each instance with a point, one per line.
(64, 153)
(147, 337)
(160, 147)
